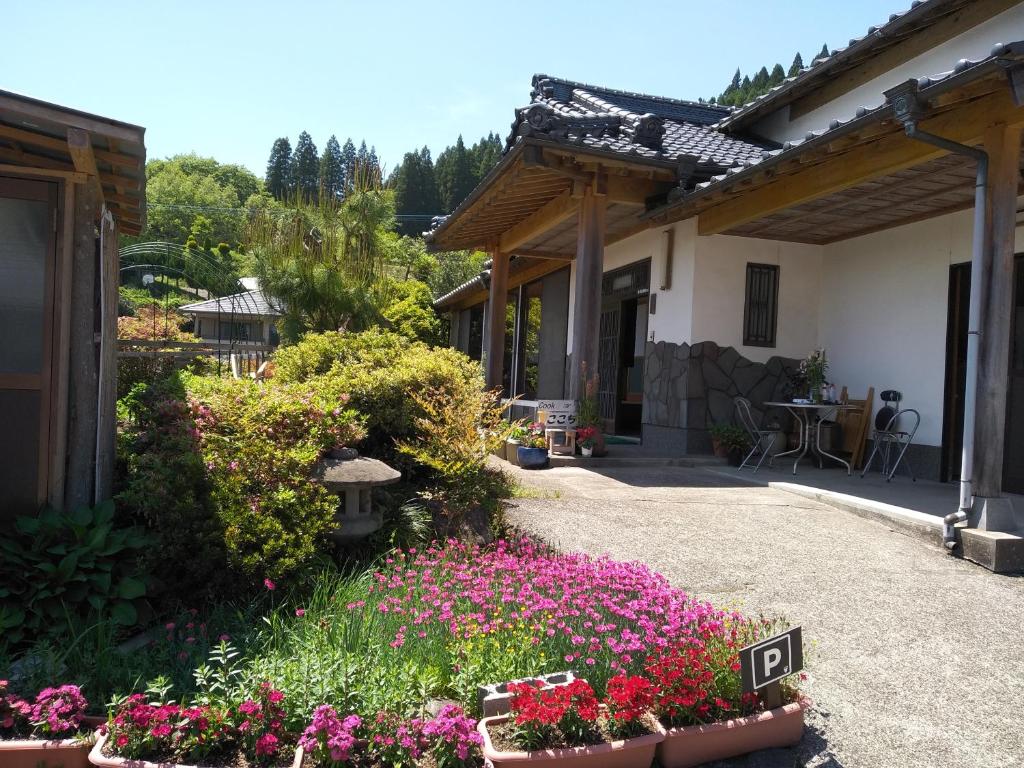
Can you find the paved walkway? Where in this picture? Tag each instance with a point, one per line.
(915, 658)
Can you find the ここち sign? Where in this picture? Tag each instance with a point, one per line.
(557, 413)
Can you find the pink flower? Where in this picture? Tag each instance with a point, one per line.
(269, 584)
(300, 612)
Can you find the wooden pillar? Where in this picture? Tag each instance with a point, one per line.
(1003, 146)
(586, 320)
(82, 393)
(107, 416)
(496, 305)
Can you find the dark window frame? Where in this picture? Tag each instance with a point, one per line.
(761, 305)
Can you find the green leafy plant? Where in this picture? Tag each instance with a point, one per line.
(61, 566)
(730, 437)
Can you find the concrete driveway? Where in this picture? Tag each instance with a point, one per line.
(915, 658)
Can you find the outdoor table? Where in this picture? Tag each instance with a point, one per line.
(805, 414)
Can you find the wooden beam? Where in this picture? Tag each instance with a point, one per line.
(864, 162)
(72, 177)
(536, 253)
(37, 110)
(107, 372)
(1003, 146)
(14, 158)
(632, 191)
(523, 276)
(80, 149)
(49, 142)
(551, 214)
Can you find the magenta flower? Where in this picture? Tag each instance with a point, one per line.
(269, 584)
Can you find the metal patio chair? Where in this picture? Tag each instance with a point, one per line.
(761, 440)
(893, 433)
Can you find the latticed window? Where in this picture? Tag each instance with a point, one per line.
(761, 305)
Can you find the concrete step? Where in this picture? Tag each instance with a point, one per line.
(593, 462)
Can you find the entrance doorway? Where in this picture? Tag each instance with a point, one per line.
(956, 377)
(622, 345)
(27, 268)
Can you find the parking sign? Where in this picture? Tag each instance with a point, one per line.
(769, 661)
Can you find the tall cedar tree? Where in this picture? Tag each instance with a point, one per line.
(485, 154)
(823, 54)
(456, 176)
(796, 66)
(348, 162)
(416, 195)
(332, 171)
(305, 167)
(279, 168)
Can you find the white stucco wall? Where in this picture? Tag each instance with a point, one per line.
(884, 308)
(672, 318)
(975, 43)
(719, 287)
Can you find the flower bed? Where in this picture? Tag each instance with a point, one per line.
(355, 663)
(53, 731)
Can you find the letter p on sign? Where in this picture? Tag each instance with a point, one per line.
(771, 660)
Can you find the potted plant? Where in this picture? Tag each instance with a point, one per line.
(52, 732)
(699, 701)
(567, 725)
(813, 369)
(588, 412)
(215, 731)
(517, 434)
(586, 438)
(533, 453)
(729, 441)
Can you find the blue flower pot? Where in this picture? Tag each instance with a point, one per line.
(532, 458)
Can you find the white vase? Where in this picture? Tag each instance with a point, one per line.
(587, 452)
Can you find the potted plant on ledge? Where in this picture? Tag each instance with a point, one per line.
(586, 438)
(567, 726)
(533, 453)
(729, 441)
(53, 732)
(516, 435)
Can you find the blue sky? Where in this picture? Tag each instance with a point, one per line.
(226, 78)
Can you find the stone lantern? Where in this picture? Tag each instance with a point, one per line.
(353, 478)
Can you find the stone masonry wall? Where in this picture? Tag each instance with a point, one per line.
(687, 388)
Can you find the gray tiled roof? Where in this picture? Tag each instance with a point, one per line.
(631, 124)
(246, 303)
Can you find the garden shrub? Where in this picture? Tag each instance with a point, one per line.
(220, 471)
(411, 313)
(382, 371)
(261, 445)
(162, 486)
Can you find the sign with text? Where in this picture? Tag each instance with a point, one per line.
(771, 660)
(557, 413)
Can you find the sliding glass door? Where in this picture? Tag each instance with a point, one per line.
(27, 262)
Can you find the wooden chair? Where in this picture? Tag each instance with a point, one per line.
(855, 425)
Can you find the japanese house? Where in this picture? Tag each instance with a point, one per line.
(691, 253)
(69, 183)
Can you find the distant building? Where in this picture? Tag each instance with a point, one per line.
(246, 317)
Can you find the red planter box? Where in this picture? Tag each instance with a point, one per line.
(629, 753)
(96, 757)
(697, 744)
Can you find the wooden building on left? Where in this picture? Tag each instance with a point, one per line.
(70, 182)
